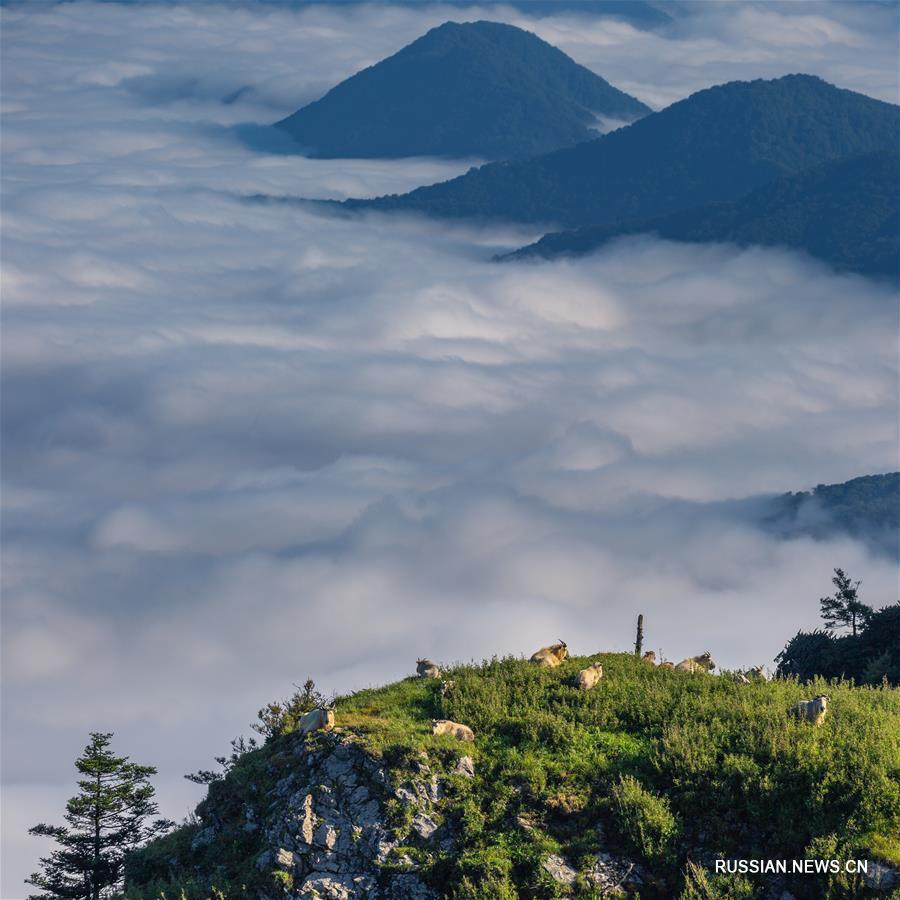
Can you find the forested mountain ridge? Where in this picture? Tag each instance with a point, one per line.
(844, 212)
(866, 508)
(717, 145)
(483, 89)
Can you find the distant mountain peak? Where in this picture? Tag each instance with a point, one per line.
(716, 145)
(484, 89)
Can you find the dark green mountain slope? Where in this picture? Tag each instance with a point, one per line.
(867, 508)
(844, 212)
(463, 89)
(716, 145)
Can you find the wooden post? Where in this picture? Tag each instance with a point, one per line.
(639, 639)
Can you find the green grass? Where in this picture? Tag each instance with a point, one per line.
(677, 768)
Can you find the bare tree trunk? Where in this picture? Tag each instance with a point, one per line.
(639, 639)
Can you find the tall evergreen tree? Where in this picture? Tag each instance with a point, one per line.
(844, 609)
(106, 820)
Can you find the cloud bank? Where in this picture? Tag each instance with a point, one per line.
(244, 443)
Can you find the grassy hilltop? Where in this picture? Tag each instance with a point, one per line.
(675, 769)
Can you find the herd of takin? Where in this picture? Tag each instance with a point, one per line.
(813, 711)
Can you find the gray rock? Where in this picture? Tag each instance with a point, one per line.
(368, 815)
(383, 850)
(559, 869)
(308, 820)
(610, 873)
(324, 823)
(465, 766)
(407, 795)
(408, 887)
(284, 859)
(338, 766)
(880, 877)
(338, 887)
(359, 796)
(424, 826)
(434, 790)
(326, 797)
(325, 836)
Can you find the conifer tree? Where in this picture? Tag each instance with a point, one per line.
(844, 609)
(108, 818)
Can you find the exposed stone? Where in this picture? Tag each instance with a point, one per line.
(338, 887)
(284, 859)
(465, 766)
(339, 767)
(434, 791)
(559, 869)
(360, 795)
(409, 887)
(407, 795)
(326, 836)
(610, 873)
(308, 820)
(424, 826)
(880, 877)
(368, 814)
(324, 824)
(383, 850)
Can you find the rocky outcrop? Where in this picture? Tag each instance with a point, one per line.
(321, 816)
(326, 833)
(881, 877)
(611, 875)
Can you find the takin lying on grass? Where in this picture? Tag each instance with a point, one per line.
(550, 657)
(454, 729)
(588, 678)
(702, 663)
(649, 657)
(811, 710)
(425, 668)
(757, 673)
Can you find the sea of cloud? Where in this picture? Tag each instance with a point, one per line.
(244, 443)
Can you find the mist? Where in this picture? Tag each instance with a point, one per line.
(248, 442)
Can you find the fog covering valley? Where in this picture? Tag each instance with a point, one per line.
(246, 442)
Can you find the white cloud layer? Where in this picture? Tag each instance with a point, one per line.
(244, 443)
